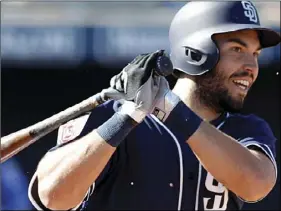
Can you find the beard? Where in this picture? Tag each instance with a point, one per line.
(212, 93)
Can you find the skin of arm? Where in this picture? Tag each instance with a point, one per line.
(248, 173)
(65, 174)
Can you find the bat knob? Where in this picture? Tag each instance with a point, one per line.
(164, 66)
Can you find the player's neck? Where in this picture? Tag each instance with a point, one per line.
(184, 88)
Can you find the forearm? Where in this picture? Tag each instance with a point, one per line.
(65, 174)
(228, 161)
(249, 174)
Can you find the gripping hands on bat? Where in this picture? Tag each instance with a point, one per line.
(143, 92)
(137, 86)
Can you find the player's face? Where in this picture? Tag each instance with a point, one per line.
(226, 87)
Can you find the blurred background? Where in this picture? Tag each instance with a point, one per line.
(56, 54)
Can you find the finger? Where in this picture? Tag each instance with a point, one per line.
(112, 94)
(119, 84)
(141, 59)
(151, 61)
(138, 58)
(142, 62)
(113, 81)
(124, 78)
(135, 59)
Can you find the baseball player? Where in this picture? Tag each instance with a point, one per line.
(188, 148)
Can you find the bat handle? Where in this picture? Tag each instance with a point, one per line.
(16, 142)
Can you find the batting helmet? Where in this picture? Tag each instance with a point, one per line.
(192, 48)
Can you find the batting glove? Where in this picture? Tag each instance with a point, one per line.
(177, 116)
(136, 86)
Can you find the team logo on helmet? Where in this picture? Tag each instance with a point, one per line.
(250, 11)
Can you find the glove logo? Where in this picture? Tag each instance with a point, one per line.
(250, 11)
(159, 114)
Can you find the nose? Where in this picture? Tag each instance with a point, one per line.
(251, 65)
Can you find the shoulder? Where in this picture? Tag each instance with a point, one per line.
(248, 121)
(245, 117)
(251, 130)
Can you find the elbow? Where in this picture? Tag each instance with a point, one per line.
(53, 204)
(54, 198)
(49, 202)
(257, 188)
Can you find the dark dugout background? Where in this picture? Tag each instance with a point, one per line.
(36, 87)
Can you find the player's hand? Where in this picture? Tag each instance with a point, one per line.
(136, 84)
(127, 84)
(165, 100)
(174, 113)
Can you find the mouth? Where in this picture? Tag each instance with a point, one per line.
(243, 84)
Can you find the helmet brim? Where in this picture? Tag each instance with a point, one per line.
(268, 37)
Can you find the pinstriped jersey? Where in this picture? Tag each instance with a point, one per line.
(151, 169)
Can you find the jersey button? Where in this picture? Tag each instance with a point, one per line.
(171, 184)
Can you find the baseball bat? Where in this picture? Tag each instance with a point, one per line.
(17, 141)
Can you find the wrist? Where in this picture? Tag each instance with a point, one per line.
(165, 105)
(178, 117)
(133, 110)
(182, 121)
(115, 129)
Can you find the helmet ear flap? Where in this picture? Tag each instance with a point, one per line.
(194, 56)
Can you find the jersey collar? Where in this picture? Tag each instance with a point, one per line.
(219, 120)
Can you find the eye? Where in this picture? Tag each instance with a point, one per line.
(256, 54)
(236, 49)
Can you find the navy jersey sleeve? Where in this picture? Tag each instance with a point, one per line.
(258, 135)
(71, 131)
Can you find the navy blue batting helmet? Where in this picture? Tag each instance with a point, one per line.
(193, 50)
